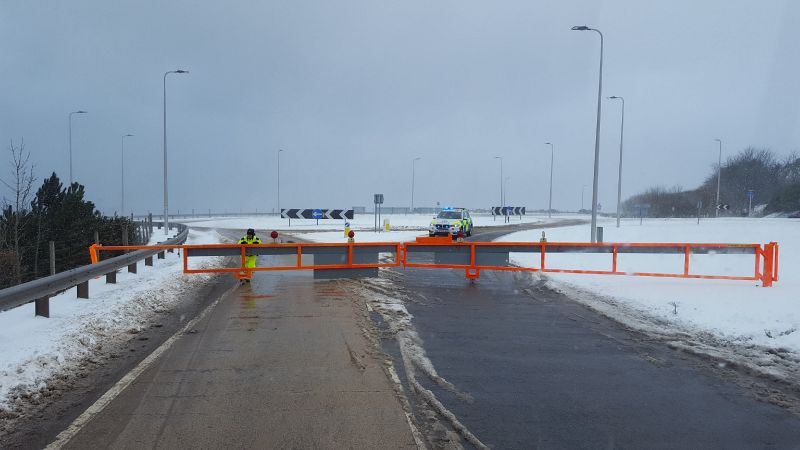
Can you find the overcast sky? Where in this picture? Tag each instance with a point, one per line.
(354, 90)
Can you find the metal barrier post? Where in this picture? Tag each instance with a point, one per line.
(686, 254)
(148, 261)
(769, 265)
(83, 289)
(111, 277)
(42, 307)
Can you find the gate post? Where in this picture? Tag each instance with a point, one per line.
(769, 260)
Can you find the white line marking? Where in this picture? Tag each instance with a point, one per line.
(97, 407)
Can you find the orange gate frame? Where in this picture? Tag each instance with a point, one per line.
(766, 272)
(767, 275)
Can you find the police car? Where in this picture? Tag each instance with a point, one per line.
(450, 221)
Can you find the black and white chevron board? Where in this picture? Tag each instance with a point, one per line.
(508, 211)
(318, 214)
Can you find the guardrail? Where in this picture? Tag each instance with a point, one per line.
(363, 259)
(476, 256)
(40, 290)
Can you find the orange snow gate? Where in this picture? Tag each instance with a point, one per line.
(749, 262)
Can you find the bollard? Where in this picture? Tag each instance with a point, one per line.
(83, 289)
(544, 238)
(148, 261)
(96, 238)
(42, 307)
(600, 234)
(132, 268)
(111, 277)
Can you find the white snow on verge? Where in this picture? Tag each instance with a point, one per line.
(34, 349)
(359, 222)
(733, 312)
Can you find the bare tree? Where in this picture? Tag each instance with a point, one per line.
(20, 184)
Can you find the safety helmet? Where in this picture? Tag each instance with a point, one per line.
(251, 231)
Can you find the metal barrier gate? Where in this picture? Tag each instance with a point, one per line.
(349, 260)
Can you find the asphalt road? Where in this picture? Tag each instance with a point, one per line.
(543, 371)
(284, 363)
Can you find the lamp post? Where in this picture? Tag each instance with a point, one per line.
(583, 188)
(550, 202)
(280, 150)
(166, 196)
(122, 174)
(719, 176)
(70, 142)
(413, 168)
(597, 132)
(502, 195)
(621, 136)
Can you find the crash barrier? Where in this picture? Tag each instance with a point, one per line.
(476, 256)
(347, 260)
(40, 290)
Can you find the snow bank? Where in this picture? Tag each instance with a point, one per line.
(34, 349)
(738, 312)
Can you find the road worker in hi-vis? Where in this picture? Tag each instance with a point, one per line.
(249, 259)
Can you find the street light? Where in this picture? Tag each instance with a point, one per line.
(122, 177)
(550, 202)
(413, 167)
(621, 135)
(597, 132)
(166, 196)
(502, 196)
(719, 176)
(280, 150)
(70, 142)
(583, 188)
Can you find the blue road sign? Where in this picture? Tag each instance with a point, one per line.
(751, 194)
(317, 214)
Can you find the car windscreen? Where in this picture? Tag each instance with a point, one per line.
(449, 215)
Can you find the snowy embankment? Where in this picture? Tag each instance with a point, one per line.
(761, 324)
(36, 349)
(398, 222)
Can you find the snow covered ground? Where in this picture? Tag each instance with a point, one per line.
(34, 349)
(738, 313)
(266, 224)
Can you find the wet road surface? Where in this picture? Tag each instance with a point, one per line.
(543, 371)
(284, 363)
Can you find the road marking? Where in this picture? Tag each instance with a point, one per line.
(97, 407)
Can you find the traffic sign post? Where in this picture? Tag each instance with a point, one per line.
(750, 194)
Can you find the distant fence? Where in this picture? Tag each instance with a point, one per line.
(41, 289)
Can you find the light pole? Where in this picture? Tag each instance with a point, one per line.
(166, 196)
(621, 136)
(502, 195)
(70, 142)
(122, 174)
(280, 150)
(719, 176)
(597, 132)
(413, 168)
(583, 188)
(550, 202)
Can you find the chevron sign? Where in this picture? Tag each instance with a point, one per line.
(319, 214)
(508, 211)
